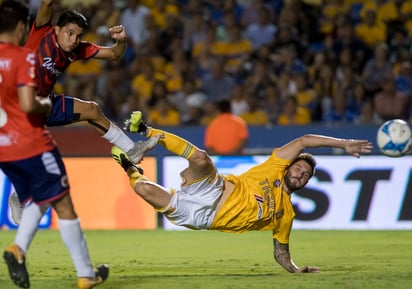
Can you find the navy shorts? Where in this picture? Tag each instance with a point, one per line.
(41, 178)
(62, 110)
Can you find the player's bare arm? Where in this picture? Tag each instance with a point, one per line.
(45, 12)
(31, 104)
(282, 256)
(354, 147)
(116, 51)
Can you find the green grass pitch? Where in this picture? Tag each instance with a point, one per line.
(214, 260)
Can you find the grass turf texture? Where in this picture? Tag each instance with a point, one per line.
(194, 259)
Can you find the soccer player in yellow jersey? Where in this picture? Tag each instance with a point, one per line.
(258, 199)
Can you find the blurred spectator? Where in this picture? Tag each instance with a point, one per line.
(209, 43)
(370, 31)
(115, 93)
(217, 85)
(132, 18)
(159, 91)
(259, 78)
(194, 31)
(210, 112)
(368, 116)
(288, 60)
(286, 35)
(227, 134)
(404, 78)
(399, 45)
(386, 11)
(163, 114)
(189, 102)
(171, 38)
(175, 70)
(229, 21)
(263, 31)
(339, 112)
(106, 14)
(306, 95)
(217, 10)
(272, 102)
(357, 96)
(255, 115)
(251, 12)
(406, 15)
(328, 15)
(239, 100)
(236, 50)
(161, 10)
(346, 39)
(326, 87)
(390, 103)
(377, 69)
(292, 114)
(142, 82)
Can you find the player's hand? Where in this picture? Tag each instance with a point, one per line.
(356, 147)
(118, 33)
(309, 269)
(46, 104)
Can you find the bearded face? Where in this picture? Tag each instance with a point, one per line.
(297, 175)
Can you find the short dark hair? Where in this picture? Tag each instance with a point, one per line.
(224, 106)
(72, 16)
(307, 157)
(11, 12)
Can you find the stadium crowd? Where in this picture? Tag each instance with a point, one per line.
(277, 62)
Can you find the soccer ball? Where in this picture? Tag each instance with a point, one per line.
(394, 138)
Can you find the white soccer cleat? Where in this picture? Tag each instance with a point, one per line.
(16, 208)
(137, 153)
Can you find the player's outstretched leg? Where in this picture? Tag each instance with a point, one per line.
(102, 272)
(170, 141)
(134, 172)
(16, 263)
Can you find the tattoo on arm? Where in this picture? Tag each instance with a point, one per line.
(282, 256)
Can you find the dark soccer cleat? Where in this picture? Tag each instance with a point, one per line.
(122, 159)
(16, 263)
(102, 272)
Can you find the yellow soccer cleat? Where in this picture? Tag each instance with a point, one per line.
(102, 272)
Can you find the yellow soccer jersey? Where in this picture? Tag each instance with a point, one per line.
(258, 202)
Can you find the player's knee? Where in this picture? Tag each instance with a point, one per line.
(91, 110)
(143, 189)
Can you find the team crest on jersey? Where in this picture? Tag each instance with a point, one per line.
(276, 183)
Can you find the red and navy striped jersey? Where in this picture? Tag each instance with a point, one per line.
(52, 61)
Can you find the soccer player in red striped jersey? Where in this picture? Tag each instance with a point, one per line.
(29, 156)
(57, 47)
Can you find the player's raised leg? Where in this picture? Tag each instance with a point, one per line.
(157, 196)
(200, 163)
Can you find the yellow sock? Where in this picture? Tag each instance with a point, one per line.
(135, 176)
(174, 143)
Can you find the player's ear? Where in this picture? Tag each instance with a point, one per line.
(21, 30)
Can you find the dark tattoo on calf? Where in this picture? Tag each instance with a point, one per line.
(102, 128)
